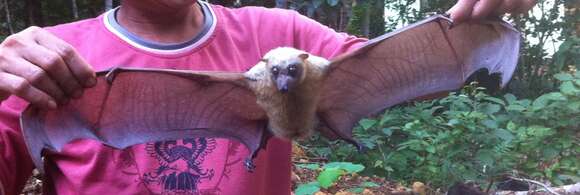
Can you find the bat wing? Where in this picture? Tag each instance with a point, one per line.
(421, 59)
(132, 106)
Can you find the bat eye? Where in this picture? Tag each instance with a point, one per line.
(275, 70)
(292, 69)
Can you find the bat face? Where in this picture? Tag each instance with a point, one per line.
(286, 68)
(287, 74)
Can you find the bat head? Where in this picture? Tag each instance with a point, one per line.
(286, 69)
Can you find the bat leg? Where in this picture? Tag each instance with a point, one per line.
(359, 146)
(264, 137)
(326, 130)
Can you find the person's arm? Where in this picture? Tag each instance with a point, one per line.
(311, 36)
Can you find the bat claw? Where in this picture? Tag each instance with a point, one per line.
(250, 166)
(359, 146)
(110, 76)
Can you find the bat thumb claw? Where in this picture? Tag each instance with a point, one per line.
(250, 166)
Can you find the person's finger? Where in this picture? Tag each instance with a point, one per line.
(461, 11)
(35, 76)
(515, 6)
(22, 88)
(526, 6)
(80, 69)
(54, 65)
(483, 8)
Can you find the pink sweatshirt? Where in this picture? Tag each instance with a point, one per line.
(233, 40)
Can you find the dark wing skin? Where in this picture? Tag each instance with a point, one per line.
(132, 106)
(419, 60)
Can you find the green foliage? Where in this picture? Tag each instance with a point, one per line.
(538, 62)
(329, 175)
(367, 19)
(307, 189)
(472, 136)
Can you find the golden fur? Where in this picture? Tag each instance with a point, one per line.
(292, 114)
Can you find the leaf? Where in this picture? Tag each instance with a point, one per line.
(572, 178)
(328, 176)
(367, 123)
(540, 102)
(430, 149)
(563, 77)
(515, 107)
(332, 2)
(307, 189)
(489, 123)
(510, 98)
(495, 100)
(511, 126)
(550, 152)
(356, 190)
(453, 122)
(369, 184)
(388, 131)
(503, 134)
(568, 88)
(490, 108)
(485, 157)
(347, 166)
(310, 166)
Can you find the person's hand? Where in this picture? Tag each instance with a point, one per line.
(479, 9)
(42, 69)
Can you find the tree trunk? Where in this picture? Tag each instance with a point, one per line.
(366, 20)
(8, 17)
(75, 9)
(424, 5)
(34, 13)
(108, 5)
(572, 9)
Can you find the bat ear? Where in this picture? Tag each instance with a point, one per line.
(303, 56)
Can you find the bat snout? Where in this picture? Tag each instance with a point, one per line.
(284, 83)
(283, 89)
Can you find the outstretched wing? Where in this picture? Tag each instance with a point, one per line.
(132, 106)
(422, 59)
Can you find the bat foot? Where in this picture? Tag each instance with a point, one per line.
(359, 146)
(250, 166)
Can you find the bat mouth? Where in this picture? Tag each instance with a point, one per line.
(283, 89)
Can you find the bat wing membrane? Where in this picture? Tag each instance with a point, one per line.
(132, 106)
(422, 59)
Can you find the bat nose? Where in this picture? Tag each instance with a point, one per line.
(283, 89)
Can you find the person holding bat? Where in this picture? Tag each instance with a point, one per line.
(49, 66)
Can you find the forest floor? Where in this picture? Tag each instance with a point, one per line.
(349, 184)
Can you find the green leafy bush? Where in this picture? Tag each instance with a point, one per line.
(472, 136)
(328, 176)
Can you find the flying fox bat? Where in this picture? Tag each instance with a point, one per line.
(289, 92)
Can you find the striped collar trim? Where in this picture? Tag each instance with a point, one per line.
(210, 22)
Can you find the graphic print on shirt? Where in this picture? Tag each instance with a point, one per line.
(180, 164)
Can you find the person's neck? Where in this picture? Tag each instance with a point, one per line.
(162, 26)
